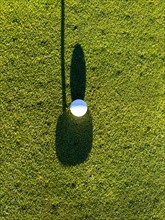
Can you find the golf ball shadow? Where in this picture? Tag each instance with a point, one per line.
(74, 138)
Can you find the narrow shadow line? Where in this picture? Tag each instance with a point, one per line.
(63, 55)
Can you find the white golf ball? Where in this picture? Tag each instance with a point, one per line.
(78, 107)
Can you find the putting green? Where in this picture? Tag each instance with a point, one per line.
(109, 164)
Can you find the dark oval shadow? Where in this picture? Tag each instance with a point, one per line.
(78, 73)
(74, 138)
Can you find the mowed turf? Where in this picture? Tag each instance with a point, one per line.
(122, 177)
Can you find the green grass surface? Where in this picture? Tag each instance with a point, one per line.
(123, 44)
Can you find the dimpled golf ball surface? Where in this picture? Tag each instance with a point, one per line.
(78, 107)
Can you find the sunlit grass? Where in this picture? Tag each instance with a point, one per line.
(123, 175)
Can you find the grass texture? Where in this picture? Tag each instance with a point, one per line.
(121, 174)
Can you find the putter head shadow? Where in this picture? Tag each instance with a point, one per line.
(73, 138)
(78, 73)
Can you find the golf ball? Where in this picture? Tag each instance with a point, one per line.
(78, 107)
